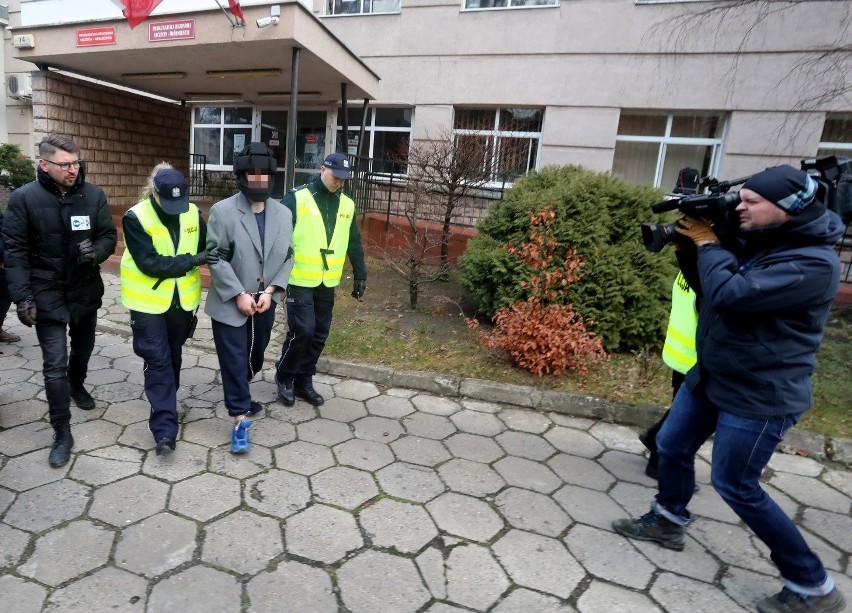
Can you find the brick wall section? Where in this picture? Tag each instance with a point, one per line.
(122, 135)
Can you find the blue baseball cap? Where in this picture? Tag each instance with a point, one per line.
(338, 164)
(172, 191)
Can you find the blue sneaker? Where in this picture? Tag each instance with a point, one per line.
(240, 438)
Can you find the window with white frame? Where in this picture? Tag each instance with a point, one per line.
(507, 4)
(387, 136)
(360, 7)
(508, 139)
(219, 131)
(836, 136)
(653, 148)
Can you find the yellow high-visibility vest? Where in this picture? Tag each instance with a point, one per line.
(316, 261)
(679, 349)
(149, 294)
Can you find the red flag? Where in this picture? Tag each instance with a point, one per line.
(237, 11)
(136, 11)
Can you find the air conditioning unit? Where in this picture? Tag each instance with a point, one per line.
(19, 85)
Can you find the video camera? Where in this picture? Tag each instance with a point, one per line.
(716, 206)
(833, 175)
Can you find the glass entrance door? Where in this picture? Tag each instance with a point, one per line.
(310, 144)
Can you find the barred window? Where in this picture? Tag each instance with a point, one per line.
(507, 141)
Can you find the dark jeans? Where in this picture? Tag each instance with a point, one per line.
(741, 449)
(309, 311)
(158, 340)
(240, 351)
(60, 368)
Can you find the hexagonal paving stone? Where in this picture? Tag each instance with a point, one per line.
(398, 525)
(527, 474)
(344, 487)
(428, 426)
(129, 412)
(464, 516)
(356, 390)
(574, 442)
(48, 505)
(322, 533)
(342, 409)
(205, 496)
(14, 543)
(539, 563)
(95, 434)
(106, 465)
(389, 406)
(68, 552)
(24, 439)
(31, 470)
(436, 405)
(196, 589)
(366, 455)
(614, 436)
(292, 588)
(471, 478)
(156, 545)
(523, 599)
(109, 589)
(20, 596)
(604, 554)
(474, 578)
(187, 460)
(525, 420)
(410, 482)
(548, 519)
(243, 542)
(208, 432)
(525, 445)
(374, 581)
(272, 433)
(18, 413)
(323, 432)
(626, 467)
(240, 466)
(129, 500)
(379, 429)
(304, 458)
(474, 448)
(416, 450)
(278, 493)
(476, 422)
(580, 471)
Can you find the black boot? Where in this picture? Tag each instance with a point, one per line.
(60, 453)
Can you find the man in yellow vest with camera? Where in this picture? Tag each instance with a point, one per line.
(324, 234)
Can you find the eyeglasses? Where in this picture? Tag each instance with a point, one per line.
(66, 166)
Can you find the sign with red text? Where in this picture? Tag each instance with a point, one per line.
(177, 29)
(91, 37)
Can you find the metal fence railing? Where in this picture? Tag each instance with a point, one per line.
(197, 175)
(844, 250)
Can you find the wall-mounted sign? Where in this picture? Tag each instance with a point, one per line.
(91, 37)
(177, 29)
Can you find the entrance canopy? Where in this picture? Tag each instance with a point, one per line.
(200, 57)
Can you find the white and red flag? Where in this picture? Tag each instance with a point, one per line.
(136, 11)
(237, 11)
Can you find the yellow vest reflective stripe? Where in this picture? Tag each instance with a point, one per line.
(310, 269)
(138, 289)
(679, 348)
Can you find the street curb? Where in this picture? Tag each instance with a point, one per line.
(818, 446)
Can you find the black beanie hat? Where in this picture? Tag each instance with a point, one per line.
(786, 187)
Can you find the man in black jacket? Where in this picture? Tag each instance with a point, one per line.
(58, 229)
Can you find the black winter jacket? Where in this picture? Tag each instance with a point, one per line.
(42, 246)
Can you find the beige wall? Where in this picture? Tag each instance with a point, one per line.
(586, 60)
(122, 136)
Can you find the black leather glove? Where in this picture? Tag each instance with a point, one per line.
(226, 254)
(200, 258)
(87, 253)
(358, 288)
(27, 312)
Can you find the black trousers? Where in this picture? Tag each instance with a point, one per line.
(309, 311)
(649, 438)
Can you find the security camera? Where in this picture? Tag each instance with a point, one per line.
(265, 21)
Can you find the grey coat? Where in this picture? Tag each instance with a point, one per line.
(232, 223)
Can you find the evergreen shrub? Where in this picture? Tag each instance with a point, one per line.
(624, 291)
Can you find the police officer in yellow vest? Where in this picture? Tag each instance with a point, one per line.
(678, 353)
(324, 234)
(164, 237)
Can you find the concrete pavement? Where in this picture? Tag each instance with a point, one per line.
(391, 497)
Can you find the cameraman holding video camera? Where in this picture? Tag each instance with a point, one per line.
(766, 298)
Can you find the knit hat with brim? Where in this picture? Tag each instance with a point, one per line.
(786, 187)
